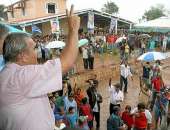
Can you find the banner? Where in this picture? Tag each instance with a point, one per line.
(36, 29)
(90, 23)
(112, 25)
(55, 25)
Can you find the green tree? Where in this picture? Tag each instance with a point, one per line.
(154, 12)
(110, 7)
(2, 13)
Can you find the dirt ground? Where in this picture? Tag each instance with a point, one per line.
(110, 68)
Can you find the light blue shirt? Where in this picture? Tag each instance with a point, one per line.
(68, 103)
(2, 63)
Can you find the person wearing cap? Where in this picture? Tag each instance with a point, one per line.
(116, 96)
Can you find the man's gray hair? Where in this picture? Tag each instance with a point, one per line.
(14, 44)
(3, 31)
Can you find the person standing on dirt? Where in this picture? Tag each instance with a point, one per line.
(116, 96)
(95, 99)
(159, 110)
(124, 73)
(146, 74)
(91, 56)
(164, 44)
(85, 57)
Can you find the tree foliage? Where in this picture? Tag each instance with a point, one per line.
(154, 12)
(110, 7)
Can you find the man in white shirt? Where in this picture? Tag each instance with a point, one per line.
(116, 96)
(85, 57)
(124, 73)
(165, 41)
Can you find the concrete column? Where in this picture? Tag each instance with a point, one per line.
(130, 26)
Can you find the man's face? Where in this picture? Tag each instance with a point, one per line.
(30, 56)
(70, 98)
(117, 89)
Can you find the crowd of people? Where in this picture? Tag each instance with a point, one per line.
(38, 95)
(157, 90)
(75, 109)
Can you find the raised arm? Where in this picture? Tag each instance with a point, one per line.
(70, 52)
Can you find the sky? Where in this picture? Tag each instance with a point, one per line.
(128, 9)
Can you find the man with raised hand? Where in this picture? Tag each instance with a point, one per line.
(24, 85)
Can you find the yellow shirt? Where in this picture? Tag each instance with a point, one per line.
(127, 48)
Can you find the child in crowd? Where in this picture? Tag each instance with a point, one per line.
(127, 117)
(82, 123)
(140, 122)
(60, 115)
(85, 110)
(72, 117)
(59, 123)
